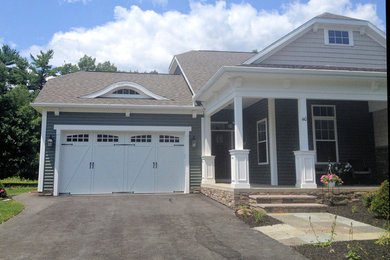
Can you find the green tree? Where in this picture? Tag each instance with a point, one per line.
(106, 66)
(87, 63)
(67, 68)
(13, 69)
(19, 134)
(41, 69)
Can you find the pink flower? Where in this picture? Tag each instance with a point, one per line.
(326, 182)
(1, 191)
(330, 177)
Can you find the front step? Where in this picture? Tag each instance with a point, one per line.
(295, 198)
(287, 203)
(291, 207)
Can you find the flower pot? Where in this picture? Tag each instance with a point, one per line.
(331, 184)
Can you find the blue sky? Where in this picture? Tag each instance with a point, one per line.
(144, 34)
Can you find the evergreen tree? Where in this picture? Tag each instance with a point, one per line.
(41, 69)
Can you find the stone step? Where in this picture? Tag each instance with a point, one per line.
(292, 198)
(291, 207)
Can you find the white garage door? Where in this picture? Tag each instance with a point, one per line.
(93, 163)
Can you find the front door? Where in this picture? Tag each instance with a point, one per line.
(221, 144)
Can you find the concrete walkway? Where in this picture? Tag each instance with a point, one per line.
(297, 230)
(125, 226)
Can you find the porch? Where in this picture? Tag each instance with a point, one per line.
(284, 132)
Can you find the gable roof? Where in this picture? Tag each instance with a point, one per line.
(199, 66)
(325, 18)
(70, 89)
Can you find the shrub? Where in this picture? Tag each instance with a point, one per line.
(378, 201)
(3, 192)
(258, 214)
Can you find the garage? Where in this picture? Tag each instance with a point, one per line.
(101, 162)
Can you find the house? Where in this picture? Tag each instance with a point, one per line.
(271, 118)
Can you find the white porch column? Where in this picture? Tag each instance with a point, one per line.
(208, 171)
(239, 156)
(304, 159)
(272, 142)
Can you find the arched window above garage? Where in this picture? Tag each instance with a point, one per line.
(125, 90)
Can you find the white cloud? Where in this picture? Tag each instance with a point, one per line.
(145, 40)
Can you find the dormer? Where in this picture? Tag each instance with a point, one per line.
(125, 90)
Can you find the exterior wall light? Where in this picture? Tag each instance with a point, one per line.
(50, 141)
(193, 141)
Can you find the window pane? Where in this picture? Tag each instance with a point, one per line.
(262, 152)
(331, 33)
(338, 33)
(326, 151)
(330, 111)
(344, 34)
(345, 41)
(338, 40)
(316, 111)
(318, 134)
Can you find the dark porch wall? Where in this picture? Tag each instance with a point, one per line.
(258, 174)
(355, 131)
(120, 119)
(287, 139)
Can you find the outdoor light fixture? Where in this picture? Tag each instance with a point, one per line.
(50, 141)
(193, 141)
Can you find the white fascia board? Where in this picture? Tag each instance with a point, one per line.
(121, 128)
(185, 77)
(107, 107)
(302, 73)
(171, 64)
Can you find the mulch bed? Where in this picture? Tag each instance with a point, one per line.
(251, 221)
(366, 249)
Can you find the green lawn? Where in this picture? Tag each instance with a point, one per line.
(9, 208)
(16, 190)
(18, 180)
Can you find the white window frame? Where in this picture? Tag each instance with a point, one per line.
(334, 118)
(266, 141)
(326, 37)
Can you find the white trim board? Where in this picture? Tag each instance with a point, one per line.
(42, 151)
(182, 129)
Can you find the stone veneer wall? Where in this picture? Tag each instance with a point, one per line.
(235, 199)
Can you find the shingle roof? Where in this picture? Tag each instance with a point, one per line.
(200, 66)
(336, 16)
(69, 89)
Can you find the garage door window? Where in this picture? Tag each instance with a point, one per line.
(77, 138)
(169, 139)
(141, 139)
(107, 138)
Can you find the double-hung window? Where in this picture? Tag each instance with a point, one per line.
(325, 133)
(262, 142)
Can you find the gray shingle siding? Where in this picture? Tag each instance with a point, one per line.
(121, 119)
(287, 139)
(310, 49)
(258, 174)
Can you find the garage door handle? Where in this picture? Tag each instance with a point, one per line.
(93, 165)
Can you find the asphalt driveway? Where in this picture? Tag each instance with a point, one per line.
(132, 227)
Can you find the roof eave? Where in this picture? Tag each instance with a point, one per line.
(287, 71)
